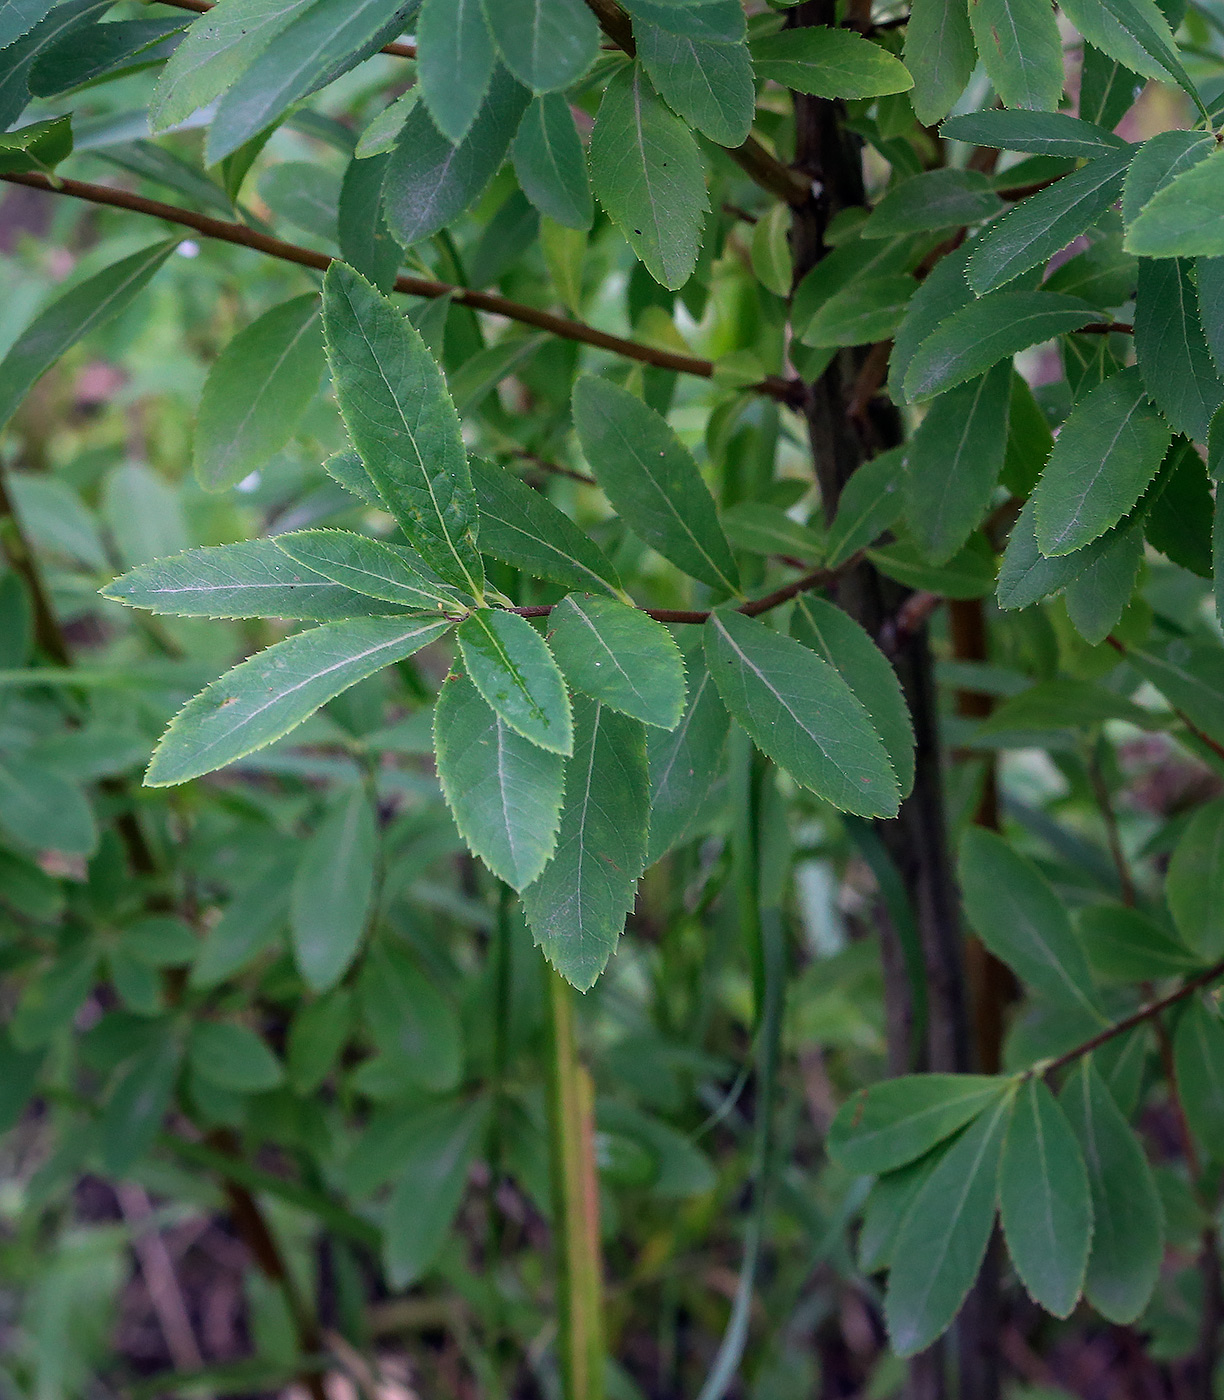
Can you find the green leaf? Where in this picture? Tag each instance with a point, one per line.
(430, 182)
(253, 578)
(896, 1121)
(970, 573)
(1209, 276)
(1026, 575)
(217, 48)
(316, 1038)
(870, 503)
(1135, 32)
(504, 791)
(384, 571)
(771, 255)
(1108, 451)
(759, 528)
(1194, 885)
(1022, 921)
(940, 53)
(1124, 945)
(936, 199)
(1171, 347)
(835, 637)
(546, 44)
(983, 332)
(143, 512)
(256, 392)
(1179, 521)
(455, 60)
(1190, 675)
(251, 921)
(866, 311)
(941, 293)
(333, 891)
(381, 135)
(800, 713)
(953, 462)
(943, 1237)
(264, 698)
(1038, 133)
(1199, 1057)
(551, 164)
(233, 1057)
(829, 63)
(403, 423)
(301, 194)
(685, 762)
(710, 85)
(577, 908)
(320, 42)
(1044, 1200)
(88, 305)
(444, 1143)
(1097, 596)
(411, 1022)
(1045, 222)
(649, 176)
(365, 238)
(1127, 1238)
(1183, 218)
(1021, 50)
(39, 146)
(887, 1206)
(620, 656)
(42, 811)
(1158, 162)
(716, 21)
(652, 481)
(522, 527)
(512, 667)
(18, 17)
(1107, 89)
(133, 1114)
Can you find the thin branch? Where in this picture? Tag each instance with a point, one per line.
(1145, 1013)
(752, 157)
(202, 7)
(492, 302)
(161, 1282)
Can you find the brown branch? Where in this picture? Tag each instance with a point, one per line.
(1145, 1013)
(492, 302)
(202, 7)
(752, 157)
(553, 468)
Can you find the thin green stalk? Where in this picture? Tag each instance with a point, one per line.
(575, 1205)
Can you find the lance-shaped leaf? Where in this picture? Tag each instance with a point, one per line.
(871, 502)
(551, 164)
(1134, 32)
(133, 1114)
(983, 332)
(1041, 225)
(1023, 922)
(1199, 1056)
(1184, 218)
(1190, 675)
(943, 198)
(943, 1238)
(895, 1121)
(1194, 885)
(1044, 1200)
(546, 44)
(430, 182)
(1026, 575)
(1038, 133)
(709, 84)
(800, 712)
(1124, 945)
(264, 698)
(333, 890)
(384, 571)
(414, 1025)
(1171, 347)
(1021, 50)
(256, 391)
(652, 481)
(1098, 595)
(648, 174)
(577, 907)
(685, 761)
(522, 527)
(1158, 162)
(953, 462)
(503, 791)
(1108, 451)
(88, 305)
(18, 17)
(941, 293)
(833, 635)
(619, 655)
(455, 61)
(254, 578)
(940, 53)
(1128, 1222)
(829, 63)
(716, 21)
(318, 44)
(403, 423)
(512, 667)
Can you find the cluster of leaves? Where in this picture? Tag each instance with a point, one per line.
(585, 616)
